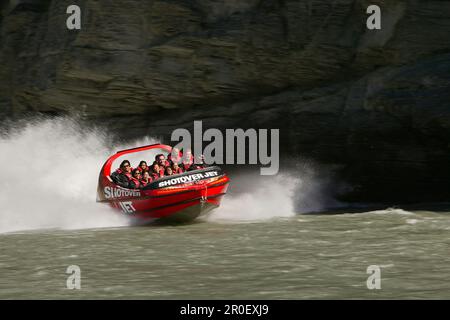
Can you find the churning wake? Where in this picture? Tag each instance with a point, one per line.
(271, 199)
(292, 192)
(49, 172)
(48, 177)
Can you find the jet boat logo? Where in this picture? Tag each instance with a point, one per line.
(111, 193)
(189, 178)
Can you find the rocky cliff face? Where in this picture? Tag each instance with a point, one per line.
(377, 102)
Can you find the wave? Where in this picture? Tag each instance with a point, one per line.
(48, 176)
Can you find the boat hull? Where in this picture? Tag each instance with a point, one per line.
(175, 208)
(174, 199)
(185, 215)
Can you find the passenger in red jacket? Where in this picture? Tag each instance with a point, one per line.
(156, 172)
(188, 159)
(146, 179)
(189, 164)
(135, 180)
(174, 156)
(176, 168)
(122, 176)
(169, 171)
(143, 167)
(161, 161)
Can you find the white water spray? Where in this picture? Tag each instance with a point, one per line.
(285, 195)
(48, 177)
(262, 201)
(49, 173)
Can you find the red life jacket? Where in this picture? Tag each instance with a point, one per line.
(185, 166)
(136, 182)
(161, 171)
(154, 176)
(142, 170)
(187, 163)
(127, 174)
(177, 171)
(143, 183)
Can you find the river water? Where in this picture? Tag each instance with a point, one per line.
(257, 245)
(300, 257)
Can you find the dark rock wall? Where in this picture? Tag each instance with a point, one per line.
(374, 102)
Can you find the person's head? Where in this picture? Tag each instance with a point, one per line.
(145, 176)
(175, 166)
(160, 159)
(143, 165)
(125, 166)
(169, 171)
(155, 168)
(136, 173)
(175, 154)
(187, 157)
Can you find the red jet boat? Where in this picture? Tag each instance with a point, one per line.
(176, 198)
